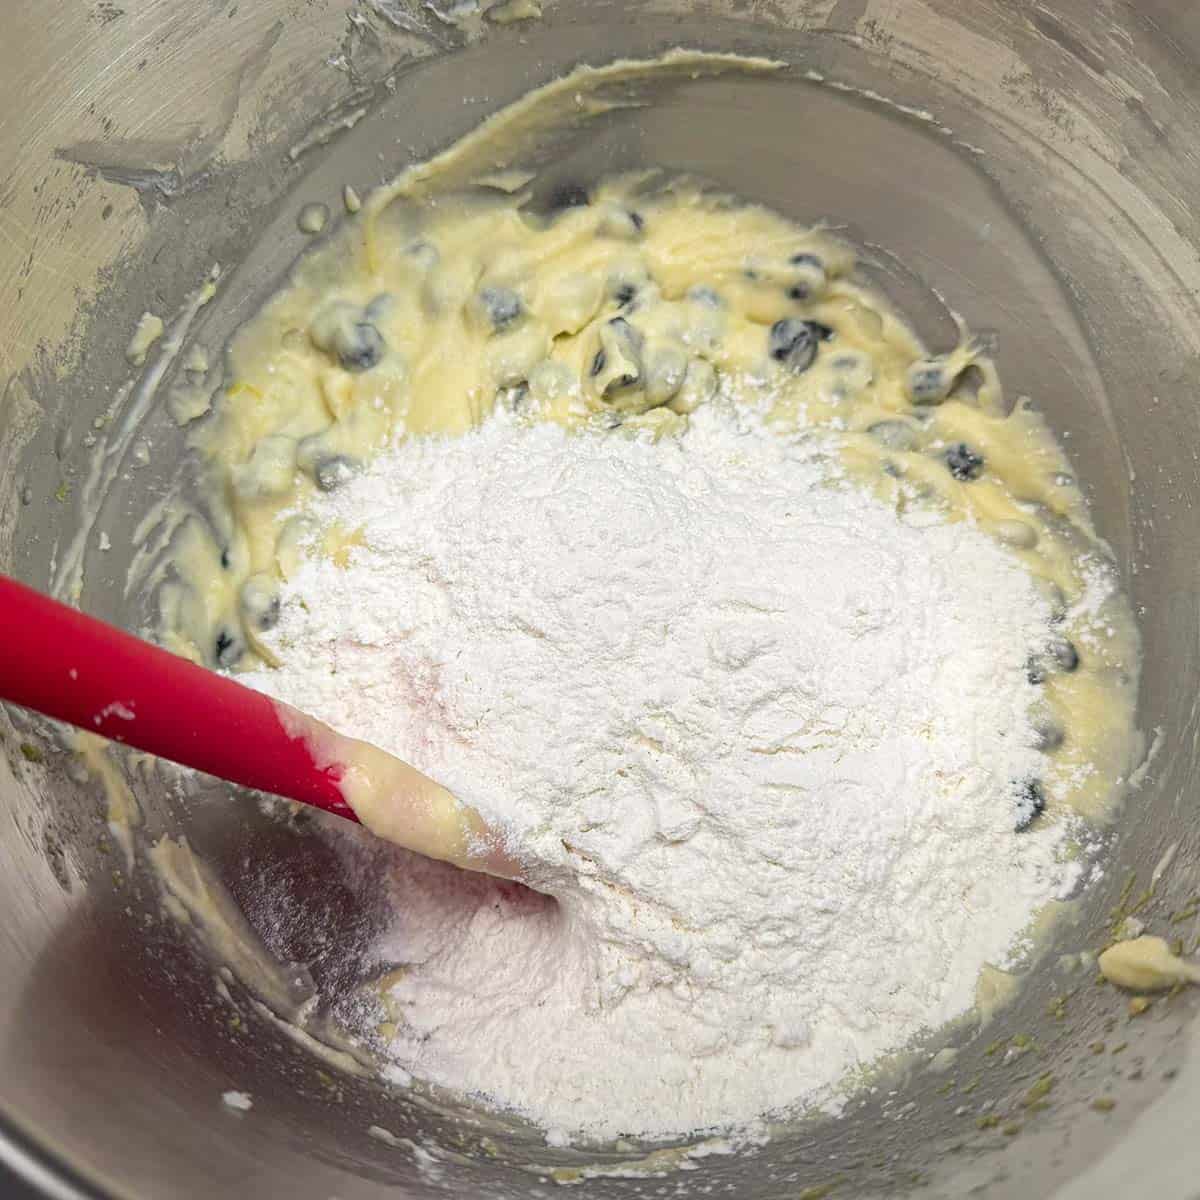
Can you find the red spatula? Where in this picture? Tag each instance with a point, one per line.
(66, 665)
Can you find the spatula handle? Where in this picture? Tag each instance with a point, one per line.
(66, 665)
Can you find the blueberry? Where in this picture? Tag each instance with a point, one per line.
(1059, 655)
(569, 195)
(1056, 598)
(625, 294)
(332, 471)
(807, 276)
(260, 601)
(502, 305)
(622, 223)
(1049, 735)
(361, 348)
(795, 342)
(228, 647)
(705, 295)
(1064, 654)
(929, 382)
(424, 255)
(963, 462)
(792, 342)
(513, 398)
(1031, 803)
(269, 617)
(618, 363)
(895, 435)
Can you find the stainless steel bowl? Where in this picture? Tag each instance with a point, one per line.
(1036, 164)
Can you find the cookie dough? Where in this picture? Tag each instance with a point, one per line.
(1146, 964)
(625, 306)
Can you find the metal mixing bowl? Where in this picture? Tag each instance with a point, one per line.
(1037, 164)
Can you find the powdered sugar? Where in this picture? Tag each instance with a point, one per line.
(761, 735)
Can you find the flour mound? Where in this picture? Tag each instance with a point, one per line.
(762, 738)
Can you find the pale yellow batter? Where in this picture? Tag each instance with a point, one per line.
(1146, 964)
(625, 309)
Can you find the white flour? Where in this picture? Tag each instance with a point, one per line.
(763, 735)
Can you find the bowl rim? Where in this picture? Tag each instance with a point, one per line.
(38, 1168)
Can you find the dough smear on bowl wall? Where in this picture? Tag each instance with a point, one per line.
(759, 519)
